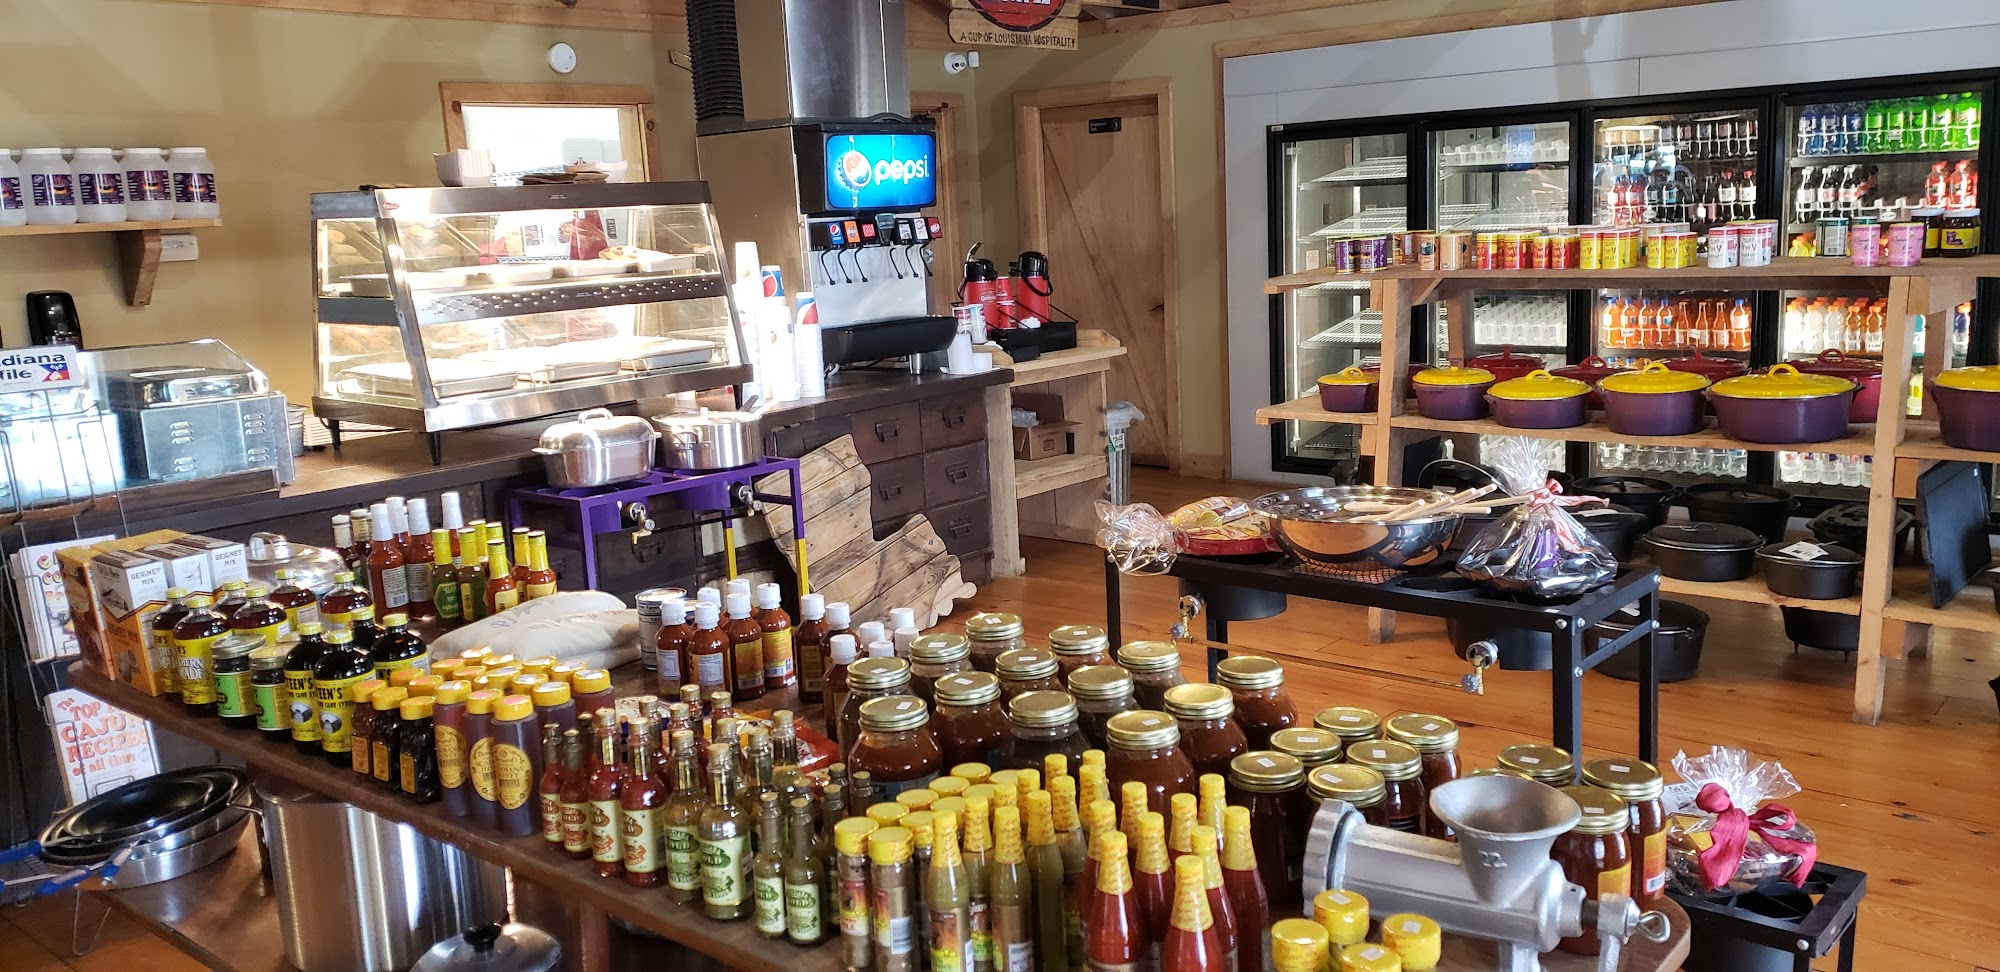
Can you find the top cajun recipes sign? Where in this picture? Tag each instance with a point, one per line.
(1041, 24)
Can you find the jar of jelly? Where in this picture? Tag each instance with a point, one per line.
(1401, 767)
(1155, 668)
(1078, 645)
(1144, 746)
(1357, 786)
(1545, 764)
(991, 634)
(970, 724)
(935, 655)
(1101, 691)
(1350, 723)
(1027, 670)
(1638, 783)
(1209, 735)
(1262, 707)
(1042, 723)
(1595, 854)
(1310, 746)
(1435, 738)
(1272, 786)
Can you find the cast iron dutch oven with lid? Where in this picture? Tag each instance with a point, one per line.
(1505, 364)
(1866, 376)
(1617, 527)
(1349, 390)
(1703, 551)
(1655, 400)
(1590, 371)
(1538, 400)
(1968, 404)
(1816, 572)
(1452, 393)
(1764, 510)
(1653, 497)
(1783, 406)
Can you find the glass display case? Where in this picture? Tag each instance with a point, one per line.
(448, 308)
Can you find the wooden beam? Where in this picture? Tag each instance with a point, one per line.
(1532, 12)
(642, 15)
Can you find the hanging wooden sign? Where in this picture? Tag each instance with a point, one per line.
(1041, 24)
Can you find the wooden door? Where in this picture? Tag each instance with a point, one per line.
(1099, 214)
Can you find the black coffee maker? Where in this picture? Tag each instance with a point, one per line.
(52, 319)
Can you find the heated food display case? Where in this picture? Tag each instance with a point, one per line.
(442, 309)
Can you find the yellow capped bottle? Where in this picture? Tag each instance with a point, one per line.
(194, 640)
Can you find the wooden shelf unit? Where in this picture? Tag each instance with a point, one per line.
(138, 247)
(1054, 498)
(1931, 289)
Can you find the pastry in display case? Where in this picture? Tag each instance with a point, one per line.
(442, 309)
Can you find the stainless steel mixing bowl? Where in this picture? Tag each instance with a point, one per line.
(1315, 525)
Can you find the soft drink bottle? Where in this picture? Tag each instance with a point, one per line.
(1809, 143)
(1965, 122)
(1961, 189)
(1804, 201)
(1683, 320)
(1936, 185)
(1815, 326)
(1698, 331)
(1877, 318)
(1795, 326)
(1937, 129)
(1852, 122)
(1895, 120)
(1718, 326)
(1874, 117)
(1628, 325)
(1649, 325)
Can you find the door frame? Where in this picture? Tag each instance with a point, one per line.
(958, 192)
(455, 95)
(1028, 108)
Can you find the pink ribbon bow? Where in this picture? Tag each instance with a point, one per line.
(1732, 831)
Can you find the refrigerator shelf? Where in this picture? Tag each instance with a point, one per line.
(1375, 219)
(1386, 169)
(1524, 165)
(1917, 155)
(1362, 328)
(1336, 440)
(1478, 217)
(1336, 288)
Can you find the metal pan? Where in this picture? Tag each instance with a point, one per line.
(147, 809)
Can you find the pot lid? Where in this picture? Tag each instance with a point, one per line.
(1350, 375)
(1654, 379)
(1453, 375)
(1538, 386)
(1833, 361)
(1591, 367)
(1808, 553)
(1622, 486)
(1703, 364)
(1704, 536)
(1736, 494)
(1976, 378)
(1783, 381)
(597, 428)
(1505, 357)
(704, 418)
(495, 948)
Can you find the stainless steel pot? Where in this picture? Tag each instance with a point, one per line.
(709, 440)
(597, 448)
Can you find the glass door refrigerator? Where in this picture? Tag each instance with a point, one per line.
(1682, 168)
(1327, 182)
(1501, 175)
(1889, 153)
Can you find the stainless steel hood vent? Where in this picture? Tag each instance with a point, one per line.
(763, 62)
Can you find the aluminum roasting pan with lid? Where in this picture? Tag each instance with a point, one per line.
(709, 440)
(1322, 526)
(597, 448)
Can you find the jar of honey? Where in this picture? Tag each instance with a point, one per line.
(1595, 854)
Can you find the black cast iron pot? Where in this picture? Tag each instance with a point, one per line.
(1822, 629)
(1676, 649)
(1617, 527)
(1652, 497)
(1703, 551)
(1809, 570)
(1764, 509)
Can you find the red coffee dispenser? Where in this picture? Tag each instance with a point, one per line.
(981, 284)
(1030, 278)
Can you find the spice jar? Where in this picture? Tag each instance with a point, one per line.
(1271, 785)
(1400, 766)
(1143, 746)
(1545, 764)
(1357, 786)
(229, 663)
(1041, 723)
(1350, 723)
(1027, 670)
(1417, 940)
(896, 745)
(1101, 691)
(1262, 707)
(933, 656)
(1155, 668)
(1079, 645)
(1435, 738)
(1639, 784)
(1208, 735)
(267, 685)
(990, 635)
(869, 679)
(1594, 854)
(971, 726)
(1311, 747)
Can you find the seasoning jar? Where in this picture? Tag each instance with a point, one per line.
(1262, 707)
(1351, 723)
(971, 726)
(935, 655)
(1143, 746)
(869, 679)
(1311, 747)
(267, 685)
(1357, 786)
(1958, 234)
(991, 634)
(1271, 785)
(1415, 939)
(1209, 735)
(229, 662)
(1027, 670)
(1041, 723)
(1545, 764)
(1101, 691)
(1400, 766)
(896, 745)
(1078, 645)
(1344, 915)
(1155, 668)
(1435, 738)
(1639, 784)
(1595, 854)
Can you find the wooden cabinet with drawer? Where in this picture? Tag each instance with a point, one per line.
(881, 434)
(951, 421)
(954, 474)
(966, 526)
(898, 488)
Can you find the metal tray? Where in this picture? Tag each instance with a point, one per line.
(448, 378)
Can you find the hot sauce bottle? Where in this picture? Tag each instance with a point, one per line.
(1011, 887)
(574, 800)
(1112, 917)
(385, 562)
(809, 641)
(1192, 944)
(641, 813)
(603, 791)
(419, 561)
(670, 644)
(724, 842)
(1153, 879)
(708, 653)
(470, 549)
(1226, 925)
(805, 879)
(780, 668)
(1045, 864)
(683, 821)
(540, 578)
(948, 899)
(1245, 890)
(551, 787)
(746, 648)
(522, 554)
(444, 582)
(502, 590)
(767, 870)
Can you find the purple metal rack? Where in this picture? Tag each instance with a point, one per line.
(601, 509)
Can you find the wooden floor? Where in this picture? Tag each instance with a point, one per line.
(1915, 801)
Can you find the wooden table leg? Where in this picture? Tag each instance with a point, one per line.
(592, 951)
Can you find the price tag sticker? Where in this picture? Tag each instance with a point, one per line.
(1412, 927)
(1804, 550)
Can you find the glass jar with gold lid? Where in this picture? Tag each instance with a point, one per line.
(1310, 746)
(1101, 691)
(1358, 786)
(935, 655)
(1499, 771)
(896, 745)
(1027, 670)
(1155, 668)
(1262, 706)
(1143, 746)
(991, 633)
(1595, 853)
(1546, 764)
(1271, 785)
(1209, 733)
(870, 678)
(1639, 784)
(1435, 738)
(971, 724)
(1401, 767)
(1077, 645)
(1041, 723)
(1351, 723)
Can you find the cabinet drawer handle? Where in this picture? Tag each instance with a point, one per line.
(891, 492)
(958, 474)
(960, 528)
(954, 417)
(885, 431)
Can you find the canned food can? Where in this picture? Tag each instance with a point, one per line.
(1456, 251)
(648, 603)
(1906, 244)
(1587, 249)
(1831, 235)
(1628, 248)
(1864, 243)
(1767, 241)
(1656, 254)
(1722, 247)
(1562, 253)
(1507, 252)
(1485, 251)
(1427, 250)
(1538, 252)
(1685, 246)
(1408, 247)
(1371, 253)
(1340, 254)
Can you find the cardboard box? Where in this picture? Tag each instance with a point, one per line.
(187, 567)
(131, 589)
(85, 618)
(227, 560)
(1052, 434)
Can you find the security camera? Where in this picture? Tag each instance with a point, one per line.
(956, 62)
